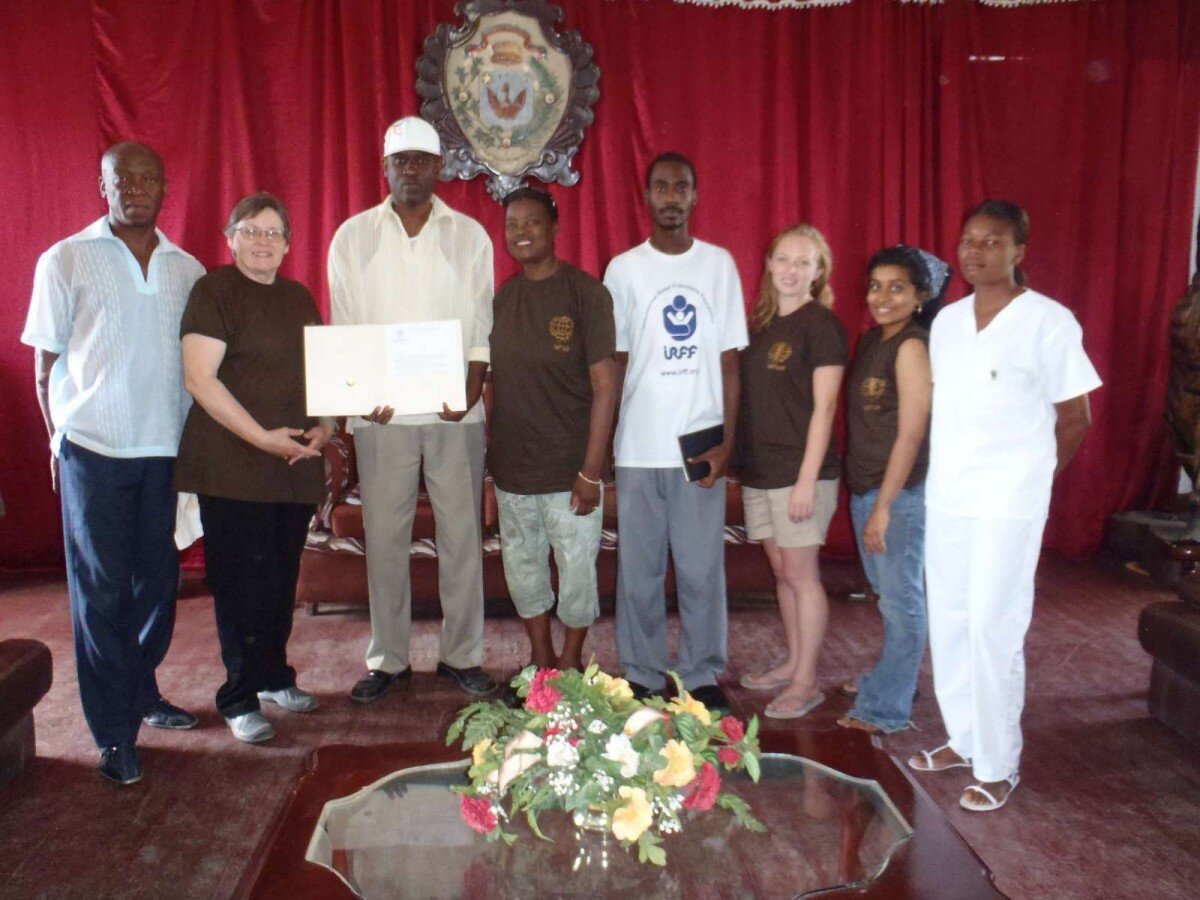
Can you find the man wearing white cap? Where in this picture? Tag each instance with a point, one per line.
(413, 259)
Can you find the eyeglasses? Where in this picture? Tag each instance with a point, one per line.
(125, 180)
(250, 233)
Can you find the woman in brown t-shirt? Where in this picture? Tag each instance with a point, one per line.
(887, 414)
(791, 373)
(553, 391)
(252, 456)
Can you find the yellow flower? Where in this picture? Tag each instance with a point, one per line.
(630, 820)
(680, 769)
(689, 704)
(616, 688)
(480, 751)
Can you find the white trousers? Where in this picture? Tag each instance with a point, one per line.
(979, 582)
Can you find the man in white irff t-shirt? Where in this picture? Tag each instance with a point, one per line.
(680, 322)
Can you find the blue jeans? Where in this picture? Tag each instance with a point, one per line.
(885, 694)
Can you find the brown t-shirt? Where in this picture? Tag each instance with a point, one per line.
(545, 336)
(873, 410)
(777, 395)
(262, 326)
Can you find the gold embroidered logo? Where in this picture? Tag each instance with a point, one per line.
(780, 353)
(561, 329)
(873, 390)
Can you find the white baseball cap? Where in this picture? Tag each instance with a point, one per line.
(411, 133)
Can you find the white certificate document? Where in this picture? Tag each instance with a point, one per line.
(412, 367)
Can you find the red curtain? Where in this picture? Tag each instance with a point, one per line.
(877, 121)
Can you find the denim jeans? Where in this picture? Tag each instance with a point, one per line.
(885, 694)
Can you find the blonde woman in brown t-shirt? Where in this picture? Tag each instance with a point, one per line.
(791, 373)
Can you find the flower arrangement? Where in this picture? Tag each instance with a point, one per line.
(581, 742)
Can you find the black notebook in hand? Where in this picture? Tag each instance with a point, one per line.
(695, 443)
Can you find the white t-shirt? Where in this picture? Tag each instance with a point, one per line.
(992, 450)
(675, 314)
(117, 387)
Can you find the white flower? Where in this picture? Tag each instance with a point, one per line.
(619, 749)
(560, 754)
(596, 726)
(641, 718)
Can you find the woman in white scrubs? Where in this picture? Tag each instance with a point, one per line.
(1010, 408)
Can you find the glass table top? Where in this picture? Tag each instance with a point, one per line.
(404, 836)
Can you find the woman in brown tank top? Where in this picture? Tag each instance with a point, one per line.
(887, 413)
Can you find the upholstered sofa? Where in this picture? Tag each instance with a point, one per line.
(333, 567)
(26, 672)
(1170, 632)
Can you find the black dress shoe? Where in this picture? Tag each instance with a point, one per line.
(120, 764)
(712, 697)
(167, 715)
(640, 691)
(376, 683)
(473, 679)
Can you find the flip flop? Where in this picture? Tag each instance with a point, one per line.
(925, 761)
(850, 688)
(859, 725)
(992, 803)
(754, 683)
(803, 710)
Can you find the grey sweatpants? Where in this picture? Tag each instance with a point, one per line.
(658, 509)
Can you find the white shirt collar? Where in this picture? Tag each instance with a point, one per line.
(439, 213)
(101, 230)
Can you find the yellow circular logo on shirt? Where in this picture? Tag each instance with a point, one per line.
(561, 329)
(778, 355)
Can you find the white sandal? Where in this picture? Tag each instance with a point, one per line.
(992, 803)
(929, 766)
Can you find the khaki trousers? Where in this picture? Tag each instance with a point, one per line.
(390, 460)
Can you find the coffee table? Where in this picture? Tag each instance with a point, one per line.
(843, 820)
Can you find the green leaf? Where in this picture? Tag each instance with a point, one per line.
(752, 729)
(531, 818)
(649, 849)
(752, 766)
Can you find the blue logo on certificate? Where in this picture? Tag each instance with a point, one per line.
(679, 318)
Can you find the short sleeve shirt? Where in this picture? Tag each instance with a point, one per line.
(545, 336)
(262, 327)
(992, 448)
(675, 315)
(777, 395)
(117, 386)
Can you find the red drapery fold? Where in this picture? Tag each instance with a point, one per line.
(877, 121)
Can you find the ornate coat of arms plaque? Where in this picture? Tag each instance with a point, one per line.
(507, 94)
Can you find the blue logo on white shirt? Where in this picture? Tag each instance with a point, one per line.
(679, 318)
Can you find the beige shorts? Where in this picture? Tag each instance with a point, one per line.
(766, 512)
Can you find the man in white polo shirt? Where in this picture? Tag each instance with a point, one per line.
(104, 320)
(414, 259)
(680, 322)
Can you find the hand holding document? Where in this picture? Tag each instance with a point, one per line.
(413, 367)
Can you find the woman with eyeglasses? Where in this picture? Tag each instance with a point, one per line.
(252, 456)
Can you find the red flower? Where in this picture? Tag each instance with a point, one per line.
(729, 757)
(542, 697)
(733, 728)
(704, 794)
(478, 813)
